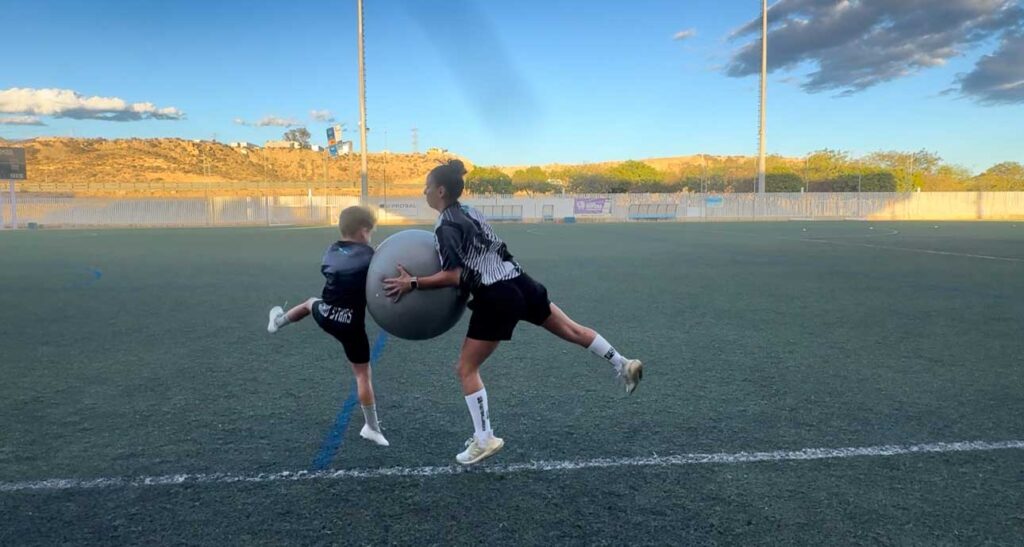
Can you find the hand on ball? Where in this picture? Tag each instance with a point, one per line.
(396, 287)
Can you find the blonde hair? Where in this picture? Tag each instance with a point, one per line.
(355, 218)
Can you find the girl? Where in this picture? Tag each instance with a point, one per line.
(475, 258)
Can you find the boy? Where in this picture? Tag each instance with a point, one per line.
(341, 308)
(473, 256)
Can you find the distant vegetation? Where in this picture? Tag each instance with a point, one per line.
(156, 166)
(821, 171)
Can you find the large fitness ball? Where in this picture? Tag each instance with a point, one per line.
(421, 314)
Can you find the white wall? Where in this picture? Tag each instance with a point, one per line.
(315, 209)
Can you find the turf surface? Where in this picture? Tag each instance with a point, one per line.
(143, 352)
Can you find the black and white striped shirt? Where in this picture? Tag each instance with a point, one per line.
(465, 240)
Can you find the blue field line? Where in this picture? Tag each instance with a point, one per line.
(336, 436)
(94, 275)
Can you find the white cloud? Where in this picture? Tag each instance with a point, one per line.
(321, 116)
(685, 34)
(65, 103)
(20, 120)
(270, 121)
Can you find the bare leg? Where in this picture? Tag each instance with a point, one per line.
(300, 312)
(473, 355)
(364, 387)
(562, 326)
(364, 383)
(485, 444)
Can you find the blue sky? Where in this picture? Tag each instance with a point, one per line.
(521, 82)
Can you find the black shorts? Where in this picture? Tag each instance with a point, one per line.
(499, 307)
(347, 326)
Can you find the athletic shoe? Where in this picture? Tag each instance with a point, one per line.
(374, 436)
(275, 312)
(631, 373)
(475, 453)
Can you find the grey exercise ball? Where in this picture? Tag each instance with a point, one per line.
(421, 314)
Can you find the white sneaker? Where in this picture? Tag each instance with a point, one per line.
(475, 453)
(275, 312)
(631, 373)
(374, 436)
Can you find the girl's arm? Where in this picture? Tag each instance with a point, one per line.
(396, 287)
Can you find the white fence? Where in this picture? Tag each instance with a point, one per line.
(315, 210)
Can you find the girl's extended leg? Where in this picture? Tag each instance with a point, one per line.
(562, 326)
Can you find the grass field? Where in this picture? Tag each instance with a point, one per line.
(134, 354)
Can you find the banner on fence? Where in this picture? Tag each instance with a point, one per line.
(592, 206)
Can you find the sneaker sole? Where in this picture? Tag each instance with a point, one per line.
(374, 441)
(485, 455)
(639, 376)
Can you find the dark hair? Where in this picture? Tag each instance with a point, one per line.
(448, 175)
(355, 218)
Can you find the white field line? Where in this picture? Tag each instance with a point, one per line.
(535, 466)
(830, 240)
(912, 250)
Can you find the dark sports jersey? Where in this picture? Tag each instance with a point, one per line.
(344, 266)
(465, 240)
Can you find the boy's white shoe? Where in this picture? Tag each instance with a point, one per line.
(275, 312)
(375, 436)
(476, 452)
(631, 373)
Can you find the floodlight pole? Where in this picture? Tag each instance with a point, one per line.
(764, 97)
(364, 191)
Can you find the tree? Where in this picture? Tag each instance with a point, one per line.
(528, 175)
(824, 165)
(909, 168)
(636, 172)
(489, 180)
(947, 178)
(591, 183)
(1004, 176)
(299, 134)
(532, 180)
(783, 182)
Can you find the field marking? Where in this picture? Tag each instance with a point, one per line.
(913, 250)
(829, 241)
(879, 233)
(806, 454)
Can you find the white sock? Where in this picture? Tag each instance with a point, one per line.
(477, 403)
(282, 320)
(601, 348)
(370, 415)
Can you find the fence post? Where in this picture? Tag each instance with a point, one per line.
(14, 208)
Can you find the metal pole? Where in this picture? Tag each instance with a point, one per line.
(764, 97)
(860, 176)
(362, 106)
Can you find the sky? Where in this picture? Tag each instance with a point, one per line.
(526, 81)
